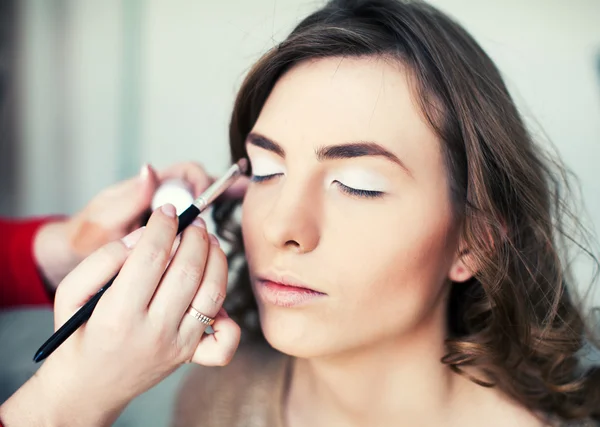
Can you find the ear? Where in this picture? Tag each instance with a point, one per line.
(460, 270)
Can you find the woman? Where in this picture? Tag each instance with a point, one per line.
(90, 379)
(401, 235)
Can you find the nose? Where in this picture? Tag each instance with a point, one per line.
(292, 223)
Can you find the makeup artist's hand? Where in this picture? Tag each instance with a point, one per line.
(139, 332)
(114, 212)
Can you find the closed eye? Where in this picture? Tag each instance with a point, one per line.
(368, 194)
(263, 178)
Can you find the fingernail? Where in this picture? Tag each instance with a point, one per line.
(144, 171)
(214, 240)
(199, 222)
(132, 238)
(169, 210)
(223, 313)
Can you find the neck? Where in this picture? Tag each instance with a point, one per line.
(399, 381)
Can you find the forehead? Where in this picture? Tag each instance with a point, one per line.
(335, 100)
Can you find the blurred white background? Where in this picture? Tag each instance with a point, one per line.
(108, 85)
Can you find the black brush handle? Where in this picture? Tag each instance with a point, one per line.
(83, 314)
(187, 217)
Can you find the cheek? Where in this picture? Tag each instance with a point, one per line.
(396, 268)
(252, 219)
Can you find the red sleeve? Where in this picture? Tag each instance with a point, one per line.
(20, 281)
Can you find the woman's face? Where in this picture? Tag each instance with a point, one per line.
(349, 199)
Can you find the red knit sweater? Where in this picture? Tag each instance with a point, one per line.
(20, 281)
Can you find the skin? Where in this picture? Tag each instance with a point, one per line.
(368, 351)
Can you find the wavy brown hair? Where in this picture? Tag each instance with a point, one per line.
(515, 321)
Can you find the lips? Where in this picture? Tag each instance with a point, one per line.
(284, 291)
(287, 282)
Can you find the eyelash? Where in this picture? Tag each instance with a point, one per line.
(263, 178)
(367, 194)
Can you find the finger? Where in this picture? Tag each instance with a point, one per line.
(149, 183)
(105, 217)
(144, 268)
(217, 349)
(182, 277)
(136, 202)
(174, 248)
(90, 275)
(192, 173)
(130, 198)
(209, 297)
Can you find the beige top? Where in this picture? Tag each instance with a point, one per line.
(249, 392)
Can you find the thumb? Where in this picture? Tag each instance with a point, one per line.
(90, 275)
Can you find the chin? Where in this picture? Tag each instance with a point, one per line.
(294, 333)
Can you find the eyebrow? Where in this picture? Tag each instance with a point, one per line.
(331, 152)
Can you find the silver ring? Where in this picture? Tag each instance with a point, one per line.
(199, 316)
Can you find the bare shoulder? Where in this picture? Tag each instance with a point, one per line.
(509, 413)
(218, 396)
(492, 407)
(505, 414)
